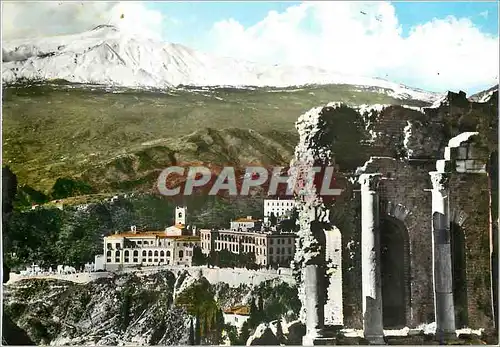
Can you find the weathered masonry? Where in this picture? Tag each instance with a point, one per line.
(418, 220)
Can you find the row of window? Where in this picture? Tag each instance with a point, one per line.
(136, 260)
(150, 243)
(259, 241)
(135, 253)
(283, 250)
(279, 203)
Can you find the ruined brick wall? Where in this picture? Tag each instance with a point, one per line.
(407, 144)
(469, 198)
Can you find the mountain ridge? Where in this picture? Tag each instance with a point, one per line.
(109, 56)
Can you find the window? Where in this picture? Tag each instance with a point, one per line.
(181, 254)
(117, 254)
(108, 253)
(162, 254)
(126, 260)
(139, 242)
(271, 250)
(289, 241)
(135, 260)
(143, 253)
(156, 260)
(117, 246)
(117, 260)
(277, 251)
(109, 246)
(136, 253)
(108, 260)
(150, 253)
(168, 253)
(156, 253)
(289, 251)
(272, 241)
(126, 253)
(278, 241)
(150, 260)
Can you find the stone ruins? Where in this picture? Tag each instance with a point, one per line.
(412, 239)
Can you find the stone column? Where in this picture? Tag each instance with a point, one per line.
(370, 259)
(444, 309)
(315, 313)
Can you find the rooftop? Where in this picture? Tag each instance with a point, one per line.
(246, 219)
(243, 310)
(156, 234)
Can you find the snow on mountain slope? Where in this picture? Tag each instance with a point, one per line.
(105, 55)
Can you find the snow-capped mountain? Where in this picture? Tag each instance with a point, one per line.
(106, 55)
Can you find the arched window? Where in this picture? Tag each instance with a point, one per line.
(168, 253)
(108, 253)
(162, 254)
(156, 253)
(126, 253)
(143, 253)
(136, 253)
(150, 253)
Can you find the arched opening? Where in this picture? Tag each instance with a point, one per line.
(458, 260)
(395, 270)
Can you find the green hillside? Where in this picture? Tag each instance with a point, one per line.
(119, 139)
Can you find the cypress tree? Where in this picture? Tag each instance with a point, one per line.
(191, 332)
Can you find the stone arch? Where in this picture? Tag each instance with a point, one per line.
(395, 271)
(459, 266)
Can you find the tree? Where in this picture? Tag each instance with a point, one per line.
(253, 320)
(197, 331)
(66, 187)
(245, 334)
(191, 332)
(279, 332)
(198, 257)
(272, 219)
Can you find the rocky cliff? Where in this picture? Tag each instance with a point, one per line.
(159, 308)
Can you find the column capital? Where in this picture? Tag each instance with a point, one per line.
(369, 181)
(439, 180)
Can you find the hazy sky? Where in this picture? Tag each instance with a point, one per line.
(436, 46)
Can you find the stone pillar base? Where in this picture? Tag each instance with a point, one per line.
(318, 341)
(445, 336)
(375, 339)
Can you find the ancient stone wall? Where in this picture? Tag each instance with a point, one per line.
(404, 144)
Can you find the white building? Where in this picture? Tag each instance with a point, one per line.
(173, 246)
(281, 209)
(269, 248)
(245, 224)
(236, 316)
